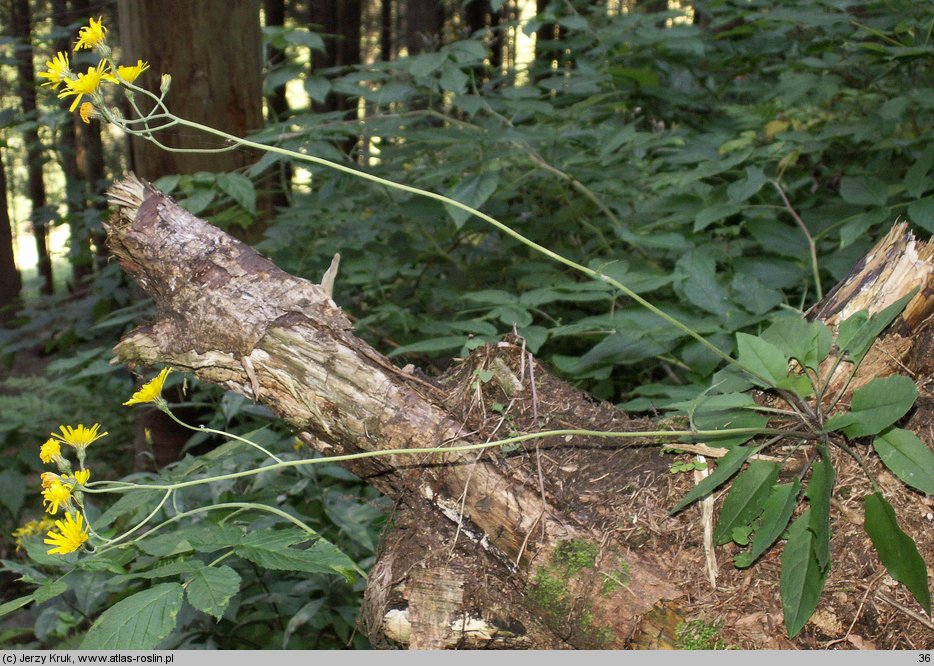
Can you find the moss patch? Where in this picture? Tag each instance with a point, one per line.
(698, 635)
(572, 561)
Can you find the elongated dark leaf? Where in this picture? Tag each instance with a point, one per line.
(746, 498)
(726, 467)
(856, 340)
(908, 457)
(896, 549)
(819, 493)
(802, 579)
(876, 406)
(775, 516)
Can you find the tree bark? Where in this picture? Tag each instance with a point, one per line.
(10, 281)
(424, 20)
(42, 214)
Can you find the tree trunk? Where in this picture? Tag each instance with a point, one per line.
(42, 214)
(10, 282)
(424, 20)
(280, 181)
(385, 31)
(539, 548)
(340, 20)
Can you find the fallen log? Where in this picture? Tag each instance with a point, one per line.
(485, 549)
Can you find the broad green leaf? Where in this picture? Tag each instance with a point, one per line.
(210, 589)
(714, 213)
(15, 604)
(317, 88)
(763, 358)
(138, 622)
(443, 343)
(819, 493)
(134, 504)
(270, 549)
(910, 459)
(12, 491)
(624, 348)
(802, 579)
(240, 189)
(916, 178)
(857, 337)
(453, 79)
(748, 186)
(168, 570)
(896, 549)
(775, 516)
(921, 213)
(700, 283)
(746, 498)
(863, 190)
(198, 200)
(727, 466)
(473, 191)
(807, 342)
(876, 406)
(49, 590)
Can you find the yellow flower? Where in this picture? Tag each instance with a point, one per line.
(82, 476)
(57, 70)
(129, 73)
(79, 437)
(91, 35)
(85, 84)
(151, 390)
(55, 495)
(71, 534)
(50, 451)
(30, 528)
(86, 111)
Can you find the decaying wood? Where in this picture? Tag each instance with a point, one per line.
(233, 318)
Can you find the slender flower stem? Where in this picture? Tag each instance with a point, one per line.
(221, 433)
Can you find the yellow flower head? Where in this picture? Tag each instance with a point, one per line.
(50, 451)
(129, 73)
(30, 528)
(82, 476)
(55, 495)
(85, 84)
(79, 437)
(72, 532)
(48, 478)
(86, 111)
(150, 390)
(57, 70)
(91, 35)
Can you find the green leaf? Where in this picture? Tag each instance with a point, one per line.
(802, 579)
(197, 201)
(896, 549)
(240, 189)
(775, 516)
(129, 503)
(12, 491)
(863, 191)
(49, 590)
(908, 457)
(746, 499)
(876, 406)
(916, 178)
(807, 342)
(819, 493)
(317, 88)
(921, 213)
(700, 284)
(453, 79)
(743, 189)
(763, 358)
(138, 622)
(210, 589)
(443, 343)
(473, 191)
(714, 213)
(856, 337)
(15, 604)
(270, 549)
(727, 466)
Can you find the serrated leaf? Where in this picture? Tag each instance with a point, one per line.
(473, 191)
(916, 178)
(210, 589)
(138, 622)
(700, 283)
(746, 498)
(863, 190)
(807, 342)
(775, 516)
(910, 459)
(802, 579)
(762, 358)
(896, 549)
(875, 406)
(129, 503)
(270, 549)
(727, 466)
(748, 186)
(240, 189)
(49, 590)
(921, 213)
